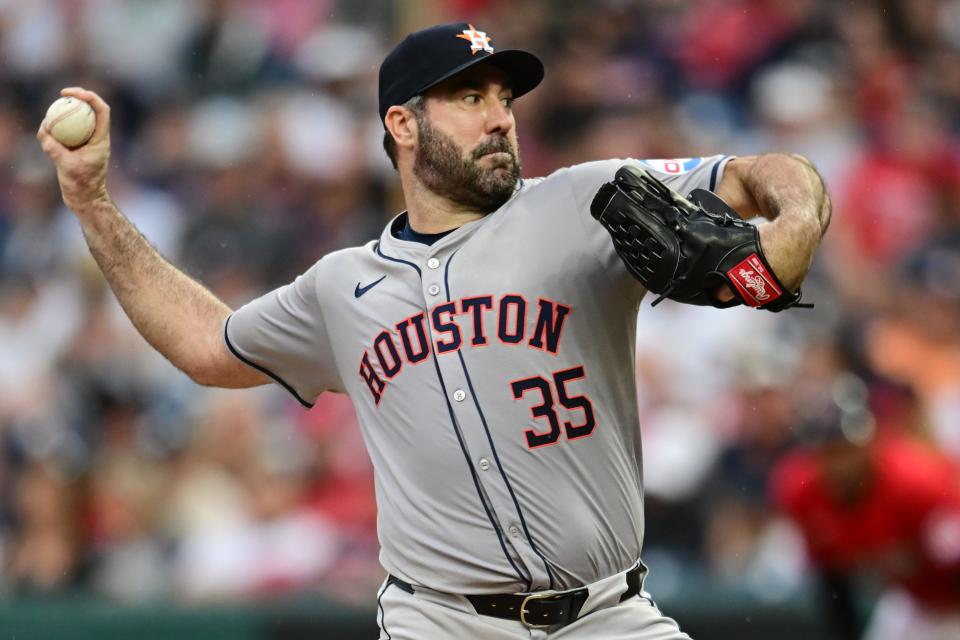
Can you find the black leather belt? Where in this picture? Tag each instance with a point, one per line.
(537, 610)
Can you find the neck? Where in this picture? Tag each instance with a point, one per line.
(429, 212)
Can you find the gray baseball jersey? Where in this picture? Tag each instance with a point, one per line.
(493, 375)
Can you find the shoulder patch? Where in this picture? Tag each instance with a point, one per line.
(673, 166)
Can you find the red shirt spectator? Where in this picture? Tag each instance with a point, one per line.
(892, 507)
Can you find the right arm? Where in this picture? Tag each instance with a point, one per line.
(174, 313)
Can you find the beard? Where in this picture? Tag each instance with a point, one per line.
(444, 169)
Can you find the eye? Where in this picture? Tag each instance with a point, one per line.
(472, 98)
(507, 102)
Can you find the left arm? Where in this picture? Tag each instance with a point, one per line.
(787, 191)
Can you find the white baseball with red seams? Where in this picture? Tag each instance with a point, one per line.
(71, 121)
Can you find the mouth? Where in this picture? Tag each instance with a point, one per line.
(498, 156)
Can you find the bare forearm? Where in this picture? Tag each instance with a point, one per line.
(173, 312)
(176, 315)
(789, 192)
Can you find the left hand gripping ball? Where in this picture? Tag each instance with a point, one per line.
(70, 121)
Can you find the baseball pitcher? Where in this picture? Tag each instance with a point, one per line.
(486, 338)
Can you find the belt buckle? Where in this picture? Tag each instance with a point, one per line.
(524, 612)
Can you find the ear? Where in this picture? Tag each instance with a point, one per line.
(402, 125)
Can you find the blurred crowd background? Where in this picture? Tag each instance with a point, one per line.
(246, 145)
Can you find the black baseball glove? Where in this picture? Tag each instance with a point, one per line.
(685, 249)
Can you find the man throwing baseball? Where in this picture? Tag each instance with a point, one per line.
(486, 339)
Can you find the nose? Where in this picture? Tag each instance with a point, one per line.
(499, 119)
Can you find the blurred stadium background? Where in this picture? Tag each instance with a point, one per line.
(136, 504)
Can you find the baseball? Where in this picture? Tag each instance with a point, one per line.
(70, 121)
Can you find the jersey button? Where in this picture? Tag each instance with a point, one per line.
(514, 531)
(433, 290)
(484, 464)
(433, 263)
(459, 395)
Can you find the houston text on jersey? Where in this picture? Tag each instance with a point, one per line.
(475, 320)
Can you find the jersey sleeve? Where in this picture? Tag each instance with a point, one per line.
(683, 175)
(283, 334)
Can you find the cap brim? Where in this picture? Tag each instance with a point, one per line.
(524, 70)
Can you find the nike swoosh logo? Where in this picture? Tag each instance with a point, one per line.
(359, 291)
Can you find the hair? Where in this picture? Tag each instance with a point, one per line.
(415, 104)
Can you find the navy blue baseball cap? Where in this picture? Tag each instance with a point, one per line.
(428, 57)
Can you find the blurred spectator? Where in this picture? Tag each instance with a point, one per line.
(900, 194)
(872, 498)
(44, 555)
(916, 342)
(125, 486)
(238, 507)
(725, 41)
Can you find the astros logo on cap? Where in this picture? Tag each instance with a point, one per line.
(479, 40)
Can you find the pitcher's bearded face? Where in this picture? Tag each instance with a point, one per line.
(481, 178)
